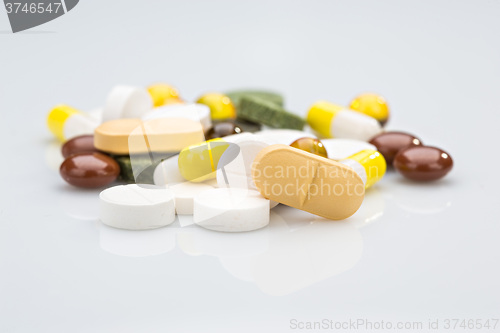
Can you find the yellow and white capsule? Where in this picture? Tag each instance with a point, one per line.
(66, 122)
(369, 164)
(334, 121)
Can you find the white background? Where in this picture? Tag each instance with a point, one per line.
(413, 252)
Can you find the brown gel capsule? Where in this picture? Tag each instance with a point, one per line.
(90, 170)
(222, 129)
(423, 163)
(79, 144)
(390, 143)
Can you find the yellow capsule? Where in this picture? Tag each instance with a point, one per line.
(220, 106)
(163, 94)
(372, 105)
(199, 162)
(334, 121)
(369, 164)
(57, 118)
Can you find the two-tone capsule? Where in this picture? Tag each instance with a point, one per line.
(334, 121)
(66, 122)
(369, 164)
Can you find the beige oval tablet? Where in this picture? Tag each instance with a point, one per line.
(309, 182)
(134, 136)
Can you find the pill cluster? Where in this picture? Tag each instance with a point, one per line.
(231, 157)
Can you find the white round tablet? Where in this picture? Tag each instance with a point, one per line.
(194, 111)
(135, 207)
(338, 149)
(126, 102)
(184, 194)
(283, 136)
(231, 210)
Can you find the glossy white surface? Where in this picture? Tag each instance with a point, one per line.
(413, 252)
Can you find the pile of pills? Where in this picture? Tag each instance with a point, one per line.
(229, 158)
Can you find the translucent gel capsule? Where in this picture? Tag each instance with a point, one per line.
(311, 145)
(220, 106)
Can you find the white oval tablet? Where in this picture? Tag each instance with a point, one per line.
(338, 149)
(231, 210)
(135, 207)
(126, 102)
(184, 194)
(283, 136)
(194, 111)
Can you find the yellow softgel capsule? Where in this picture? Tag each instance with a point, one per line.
(372, 105)
(220, 106)
(199, 162)
(164, 94)
(369, 164)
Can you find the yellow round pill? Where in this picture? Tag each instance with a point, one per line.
(372, 105)
(57, 117)
(164, 94)
(220, 106)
